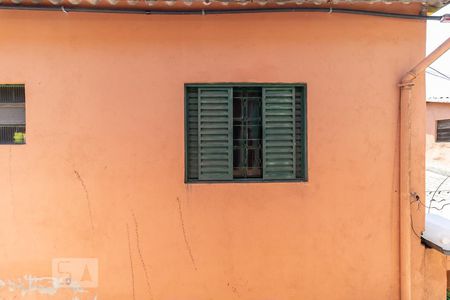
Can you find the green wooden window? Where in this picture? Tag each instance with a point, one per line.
(12, 114)
(246, 132)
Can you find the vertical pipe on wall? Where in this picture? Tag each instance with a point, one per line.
(406, 88)
(405, 188)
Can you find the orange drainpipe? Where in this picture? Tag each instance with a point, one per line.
(406, 86)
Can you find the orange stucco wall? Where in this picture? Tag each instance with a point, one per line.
(102, 174)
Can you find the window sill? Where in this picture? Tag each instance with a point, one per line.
(256, 180)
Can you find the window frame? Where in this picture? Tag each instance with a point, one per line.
(15, 105)
(187, 180)
(437, 131)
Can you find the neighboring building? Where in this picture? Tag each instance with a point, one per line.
(438, 160)
(228, 156)
(438, 131)
(438, 116)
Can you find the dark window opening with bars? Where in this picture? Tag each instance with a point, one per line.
(245, 132)
(443, 131)
(12, 114)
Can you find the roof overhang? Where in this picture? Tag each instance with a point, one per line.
(439, 100)
(397, 6)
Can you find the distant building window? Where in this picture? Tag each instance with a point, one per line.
(245, 132)
(443, 131)
(12, 114)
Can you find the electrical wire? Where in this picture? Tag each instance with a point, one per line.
(430, 207)
(442, 77)
(434, 194)
(416, 198)
(437, 71)
(413, 229)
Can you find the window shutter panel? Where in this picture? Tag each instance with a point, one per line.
(300, 134)
(215, 127)
(192, 133)
(279, 133)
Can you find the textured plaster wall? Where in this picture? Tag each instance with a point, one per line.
(436, 268)
(102, 174)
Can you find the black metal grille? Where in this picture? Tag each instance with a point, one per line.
(247, 132)
(12, 93)
(12, 114)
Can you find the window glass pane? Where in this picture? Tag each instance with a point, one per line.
(254, 109)
(10, 115)
(238, 130)
(238, 161)
(254, 162)
(254, 133)
(237, 108)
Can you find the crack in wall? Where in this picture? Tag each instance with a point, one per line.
(141, 256)
(183, 229)
(131, 263)
(86, 196)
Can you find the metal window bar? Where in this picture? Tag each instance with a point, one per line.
(247, 133)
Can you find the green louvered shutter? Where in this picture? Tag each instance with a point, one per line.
(279, 133)
(192, 132)
(215, 128)
(300, 134)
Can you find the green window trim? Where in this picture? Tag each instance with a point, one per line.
(209, 132)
